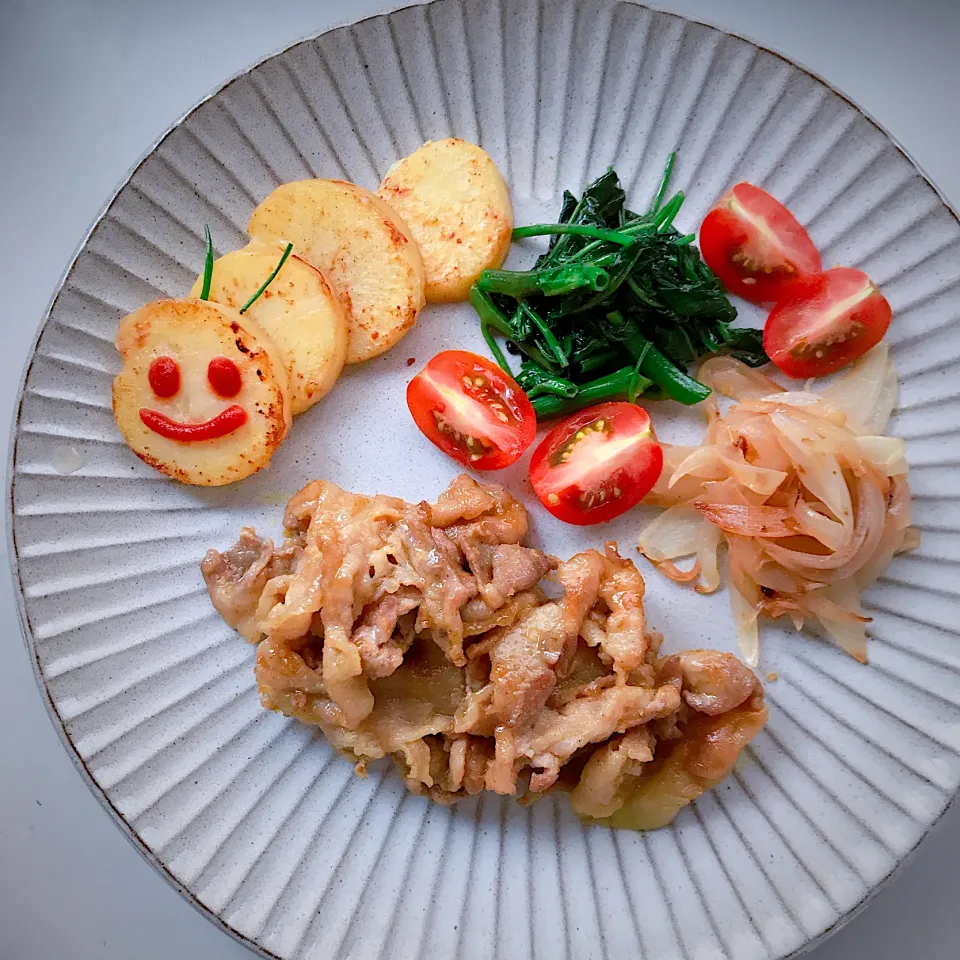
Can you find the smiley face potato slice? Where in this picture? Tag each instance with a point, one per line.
(298, 310)
(360, 245)
(456, 203)
(203, 393)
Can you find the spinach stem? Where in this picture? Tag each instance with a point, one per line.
(641, 294)
(664, 182)
(637, 227)
(550, 281)
(613, 386)
(575, 229)
(552, 387)
(562, 241)
(663, 372)
(491, 319)
(547, 334)
(494, 347)
(664, 217)
(632, 229)
(599, 360)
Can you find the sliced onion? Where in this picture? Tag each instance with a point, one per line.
(748, 633)
(886, 453)
(823, 420)
(810, 497)
(867, 391)
(847, 560)
(843, 610)
(758, 479)
(662, 495)
(782, 582)
(821, 417)
(838, 610)
(729, 491)
(911, 540)
(670, 570)
(819, 472)
(736, 380)
(895, 533)
(811, 522)
(704, 463)
(748, 521)
(745, 561)
(711, 408)
(708, 554)
(851, 637)
(763, 440)
(675, 533)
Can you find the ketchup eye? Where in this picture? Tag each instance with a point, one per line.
(164, 376)
(224, 377)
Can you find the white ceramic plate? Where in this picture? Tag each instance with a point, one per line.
(251, 815)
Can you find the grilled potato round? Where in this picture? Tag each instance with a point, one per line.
(299, 311)
(451, 195)
(203, 393)
(362, 247)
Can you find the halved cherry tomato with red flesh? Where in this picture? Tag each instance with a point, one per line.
(472, 410)
(598, 464)
(755, 245)
(834, 319)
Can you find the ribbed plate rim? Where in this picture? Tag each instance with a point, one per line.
(25, 627)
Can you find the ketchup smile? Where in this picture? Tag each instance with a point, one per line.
(233, 418)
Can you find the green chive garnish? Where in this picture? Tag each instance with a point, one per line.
(207, 265)
(266, 283)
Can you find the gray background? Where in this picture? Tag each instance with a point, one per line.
(85, 88)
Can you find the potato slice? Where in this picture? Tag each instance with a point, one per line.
(362, 247)
(451, 195)
(175, 419)
(299, 311)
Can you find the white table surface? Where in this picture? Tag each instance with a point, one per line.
(85, 87)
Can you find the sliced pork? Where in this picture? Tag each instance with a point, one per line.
(420, 632)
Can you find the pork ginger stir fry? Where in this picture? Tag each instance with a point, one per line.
(420, 632)
(810, 497)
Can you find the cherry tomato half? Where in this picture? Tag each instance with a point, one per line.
(755, 245)
(472, 410)
(833, 319)
(597, 464)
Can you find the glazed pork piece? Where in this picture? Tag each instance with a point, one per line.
(420, 632)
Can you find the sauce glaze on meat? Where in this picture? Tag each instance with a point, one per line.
(420, 632)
